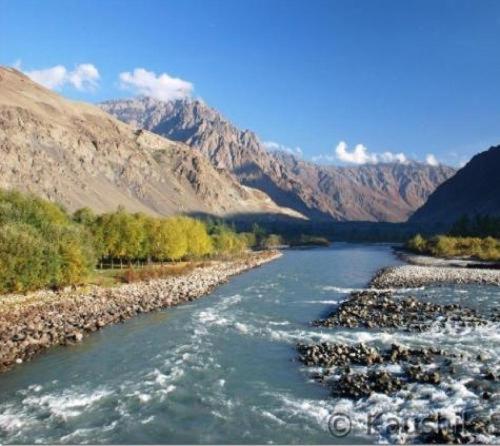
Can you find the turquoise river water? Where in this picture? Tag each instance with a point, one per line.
(223, 369)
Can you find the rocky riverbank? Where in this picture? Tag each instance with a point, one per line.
(364, 371)
(30, 324)
(413, 276)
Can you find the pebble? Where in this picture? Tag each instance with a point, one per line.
(372, 309)
(33, 323)
(414, 276)
(377, 309)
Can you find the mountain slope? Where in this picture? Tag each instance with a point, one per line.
(78, 155)
(475, 189)
(382, 192)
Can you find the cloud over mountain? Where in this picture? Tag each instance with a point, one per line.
(84, 77)
(161, 86)
(431, 160)
(360, 155)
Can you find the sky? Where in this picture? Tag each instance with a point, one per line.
(343, 82)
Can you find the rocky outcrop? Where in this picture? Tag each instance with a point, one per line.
(382, 192)
(475, 189)
(32, 323)
(77, 155)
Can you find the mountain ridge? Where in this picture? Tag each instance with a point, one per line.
(473, 190)
(78, 155)
(375, 192)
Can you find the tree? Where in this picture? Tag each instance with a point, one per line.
(169, 241)
(21, 258)
(417, 243)
(461, 227)
(199, 242)
(260, 235)
(272, 241)
(122, 235)
(249, 238)
(76, 253)
(84, 216)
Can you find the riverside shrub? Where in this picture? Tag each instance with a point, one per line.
(40, 246)
(486, 248)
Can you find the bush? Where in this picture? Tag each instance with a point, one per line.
(417, 243)
(487, 248)
(42, 246)
(272, 241)
(39, 245)
(22, 254)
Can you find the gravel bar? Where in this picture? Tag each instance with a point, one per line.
(32, 323)
(413, 276)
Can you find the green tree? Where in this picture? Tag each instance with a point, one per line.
(417, 243)
(85, 216)
(169, 241)
(272, 241)
(22, 252)
(199, 243)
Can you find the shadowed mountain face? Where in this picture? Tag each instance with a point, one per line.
(381, 192)
(78, 155)
(475, 189)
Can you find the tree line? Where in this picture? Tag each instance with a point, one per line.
(477, 226)
(43, 246)
(486, 248)
(477, 237)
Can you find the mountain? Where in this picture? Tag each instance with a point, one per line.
(78, 155)
(371, 192)
(475, 189)
(376, 192)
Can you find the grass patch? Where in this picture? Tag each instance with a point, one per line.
(151, 272)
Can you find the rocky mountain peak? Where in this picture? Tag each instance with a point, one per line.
(78, 155)
(376, 192)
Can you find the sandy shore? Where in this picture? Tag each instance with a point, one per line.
(30, 324)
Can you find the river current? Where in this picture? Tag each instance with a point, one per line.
(224, 368)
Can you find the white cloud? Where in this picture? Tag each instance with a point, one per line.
(84, 77)
(360, 155)
(389, 157)
(49, 77)
(431, 160)
(162, 86)
(273, 146)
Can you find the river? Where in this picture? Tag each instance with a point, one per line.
(223, 369)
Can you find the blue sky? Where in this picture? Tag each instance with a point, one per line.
(415, 77)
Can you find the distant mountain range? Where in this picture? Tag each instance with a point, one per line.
(475, 189)
(183, 157)
(372, 192)
(78, 155)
